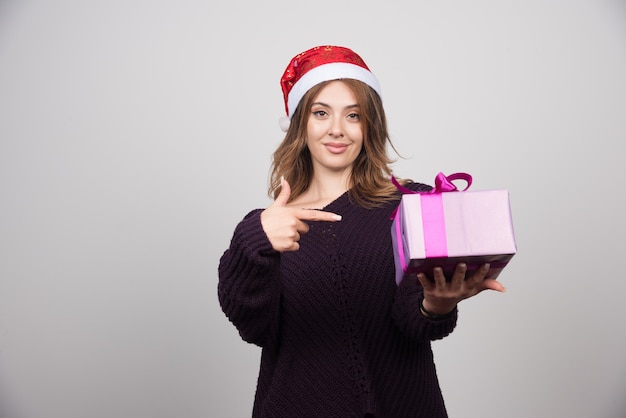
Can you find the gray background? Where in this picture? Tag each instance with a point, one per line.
(135, 134)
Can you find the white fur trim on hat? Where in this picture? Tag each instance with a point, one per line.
(327, 72)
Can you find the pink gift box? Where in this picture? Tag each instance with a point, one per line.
(445, 228)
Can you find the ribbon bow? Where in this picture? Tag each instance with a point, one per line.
(443, 183)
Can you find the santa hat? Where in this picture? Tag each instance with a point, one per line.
(318, 64)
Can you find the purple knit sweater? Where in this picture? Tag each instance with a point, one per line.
(339, 338)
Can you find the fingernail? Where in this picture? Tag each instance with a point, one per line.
(337, 217)
(486, 267)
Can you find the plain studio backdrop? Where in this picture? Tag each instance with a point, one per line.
(135, 134)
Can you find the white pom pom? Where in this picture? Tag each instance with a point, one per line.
(284, 123)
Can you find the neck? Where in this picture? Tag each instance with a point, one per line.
(323, 190)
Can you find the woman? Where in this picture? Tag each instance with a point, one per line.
(310, 279)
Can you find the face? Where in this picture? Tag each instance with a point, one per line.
(334, 134)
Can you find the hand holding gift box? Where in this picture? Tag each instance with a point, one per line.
(446, 226)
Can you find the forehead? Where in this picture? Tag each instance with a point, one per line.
(336, 91)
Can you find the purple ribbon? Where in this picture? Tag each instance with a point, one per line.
(443, 183)
(435, 243)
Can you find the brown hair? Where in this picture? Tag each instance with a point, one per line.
(369, 180)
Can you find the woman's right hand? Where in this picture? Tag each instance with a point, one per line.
(284, 225)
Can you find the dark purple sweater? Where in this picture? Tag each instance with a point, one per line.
(339, 337)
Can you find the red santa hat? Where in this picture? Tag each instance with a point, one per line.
(318, 64)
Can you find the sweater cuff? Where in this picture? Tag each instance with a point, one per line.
(407, 315)
(249, 234)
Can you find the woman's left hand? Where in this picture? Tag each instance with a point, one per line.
(442, 296)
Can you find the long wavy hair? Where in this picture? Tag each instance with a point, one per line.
(370, 184)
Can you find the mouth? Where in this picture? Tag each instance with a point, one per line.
(336, 147)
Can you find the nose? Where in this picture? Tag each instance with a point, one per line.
(336, 128)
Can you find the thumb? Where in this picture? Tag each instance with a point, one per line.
(285, 192)
(493, 284)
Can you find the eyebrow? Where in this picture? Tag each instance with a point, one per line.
(352, 106)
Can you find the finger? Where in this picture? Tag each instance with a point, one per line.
(317, 215)
(301, 227)
(439, 277)
(460, 270)
(294, 236)
(287, 243)
(283, 196)
(293, 246)
(425, 281)
(479, 275)
(493, 284)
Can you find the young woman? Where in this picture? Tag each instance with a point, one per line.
(311, 278)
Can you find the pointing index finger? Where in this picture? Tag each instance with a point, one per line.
(317, 215)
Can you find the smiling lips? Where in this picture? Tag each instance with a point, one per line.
(336, 147)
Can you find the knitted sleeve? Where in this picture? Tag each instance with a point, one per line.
(411, 321)
(249, 281)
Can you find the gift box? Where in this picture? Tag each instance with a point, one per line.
(447, 226)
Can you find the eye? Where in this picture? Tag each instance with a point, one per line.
(319, 113)
(354, 116)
